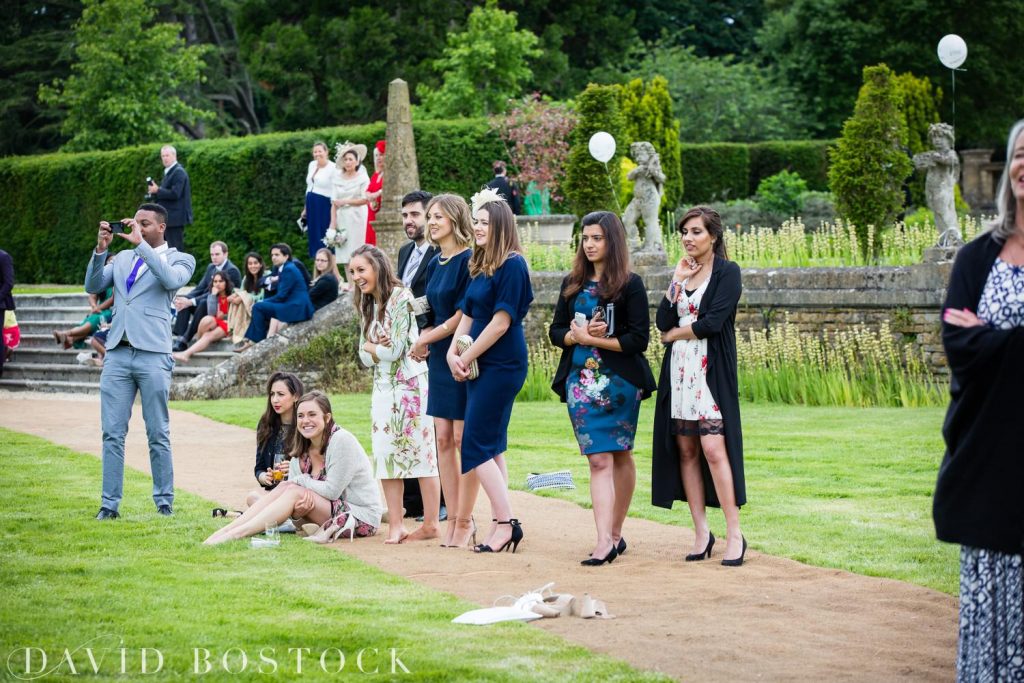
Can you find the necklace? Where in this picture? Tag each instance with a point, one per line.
(443, 260)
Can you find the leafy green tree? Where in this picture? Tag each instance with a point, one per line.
(869, 164)
(919, 104)
(820, 46)
(714, 28)
(123, 88)
(483, 66)
(648, 116)
(587, 184)
(720, 99)
(34, 40)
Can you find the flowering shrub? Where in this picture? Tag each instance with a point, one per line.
(536, 137)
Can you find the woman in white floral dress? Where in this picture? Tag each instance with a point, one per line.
(403, 434)
(698, 444)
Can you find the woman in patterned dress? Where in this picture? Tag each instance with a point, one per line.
(698, 443)
(403, 434)
(978, 501)
(603, 374)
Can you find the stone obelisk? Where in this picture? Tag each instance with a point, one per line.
(401, 174)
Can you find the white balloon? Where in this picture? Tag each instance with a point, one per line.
(952, 51)
(602, 146)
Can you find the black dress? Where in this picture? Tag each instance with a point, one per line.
(716, 322)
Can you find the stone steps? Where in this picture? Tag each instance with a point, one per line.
(40, 364)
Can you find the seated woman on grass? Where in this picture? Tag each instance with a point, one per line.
(274, 433)
(214, 327)
(330, 482)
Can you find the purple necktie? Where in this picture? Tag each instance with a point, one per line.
(133, 275)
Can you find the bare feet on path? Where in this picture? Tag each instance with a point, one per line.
(772, 619)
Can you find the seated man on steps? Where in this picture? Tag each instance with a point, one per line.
(192, 307)
(289, 304)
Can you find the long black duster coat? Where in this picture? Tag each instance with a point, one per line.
(716, 322)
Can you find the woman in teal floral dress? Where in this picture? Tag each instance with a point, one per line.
(603, 374)
(403, 434)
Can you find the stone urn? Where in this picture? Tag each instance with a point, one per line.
(546, 228)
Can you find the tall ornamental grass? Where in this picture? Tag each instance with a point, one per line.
(841, 368)
(851, 368)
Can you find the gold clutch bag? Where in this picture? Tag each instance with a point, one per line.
(463, 343)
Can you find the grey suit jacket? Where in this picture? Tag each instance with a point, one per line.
(144, 315)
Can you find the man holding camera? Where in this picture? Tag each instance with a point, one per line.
(175, 195)
(138, 358)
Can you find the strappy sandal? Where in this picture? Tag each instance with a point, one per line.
(590, 608)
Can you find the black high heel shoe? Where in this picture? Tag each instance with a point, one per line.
(738, 562)
(621, 547)
(517, 536)
(597, 562)
(705, 554)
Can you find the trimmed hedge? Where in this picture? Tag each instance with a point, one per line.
(245, 191)
(721, 171)
(806, 158)
(249, 191)
(715, 171)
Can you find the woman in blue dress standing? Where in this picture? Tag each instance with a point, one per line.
(497, 300)
(450, 227)
(320, 177)
(603, 374)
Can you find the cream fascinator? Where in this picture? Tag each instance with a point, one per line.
(485, 196)
(342, 147)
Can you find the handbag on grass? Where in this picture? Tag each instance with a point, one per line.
(463, 343)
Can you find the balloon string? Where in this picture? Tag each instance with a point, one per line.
(953, 74)
(615, 195)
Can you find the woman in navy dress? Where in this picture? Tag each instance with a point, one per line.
(320, 177)
(496, 301)
(603, 374)
(449, 226)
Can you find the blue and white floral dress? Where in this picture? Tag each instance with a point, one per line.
(603, 407)
(991, 582)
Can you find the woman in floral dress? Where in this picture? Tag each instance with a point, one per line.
(403, 434)
(698, 443)
(603, 373)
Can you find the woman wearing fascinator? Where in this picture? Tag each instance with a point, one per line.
(489, 353)
(349, 203)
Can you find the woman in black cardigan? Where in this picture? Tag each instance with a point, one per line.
(978, 501)
(602, 324)
(698, 441)
(274, 433)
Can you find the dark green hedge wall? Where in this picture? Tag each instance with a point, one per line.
(245, 191)
(249, 191)
(715, 171)
(807, 158)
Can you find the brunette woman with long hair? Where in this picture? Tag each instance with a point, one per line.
(450, 227)
(490, 339)
(329, 482)
(274, 433)
(603, 374)
(698, 441)
(403, 436)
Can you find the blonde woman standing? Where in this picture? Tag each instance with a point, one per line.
(449, 227)
(403, 436)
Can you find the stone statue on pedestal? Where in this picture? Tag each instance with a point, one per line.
(648, 181)
(943, 171)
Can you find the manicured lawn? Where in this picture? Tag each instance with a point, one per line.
(146, 582)
(848, 488)
(49, 289)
